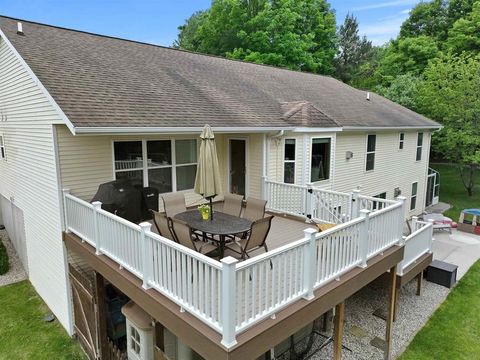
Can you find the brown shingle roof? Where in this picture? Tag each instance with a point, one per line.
(100, 81)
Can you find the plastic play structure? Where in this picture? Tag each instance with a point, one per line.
(469, 221)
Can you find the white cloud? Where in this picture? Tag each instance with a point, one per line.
(385, 5)
(384, 29)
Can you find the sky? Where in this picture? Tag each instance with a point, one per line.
(157, 21)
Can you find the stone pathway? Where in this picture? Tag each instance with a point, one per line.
(16, 272)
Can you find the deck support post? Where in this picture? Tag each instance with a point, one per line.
(338, 330)
(309, 259)
(228, 301)
(146, 253)
(97, 205)
(363, 236)
(101, 314)
(390, 313)
(419, 283)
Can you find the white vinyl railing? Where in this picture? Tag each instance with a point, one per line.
(418, 243)
(227, 295)
(372, 203)
(288, 198)
(331, 206)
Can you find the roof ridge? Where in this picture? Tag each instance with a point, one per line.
(168, 47)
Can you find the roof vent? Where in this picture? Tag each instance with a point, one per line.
(368, 96)
(20, 28)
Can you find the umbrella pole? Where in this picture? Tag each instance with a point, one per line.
(211, 209)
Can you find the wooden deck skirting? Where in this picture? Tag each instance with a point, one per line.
(258, 339)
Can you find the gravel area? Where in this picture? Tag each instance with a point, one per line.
(16, 272)
(361, 326)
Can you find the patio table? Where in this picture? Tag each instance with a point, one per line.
(221, 225)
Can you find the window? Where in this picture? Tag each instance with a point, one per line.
(170, 165)
(2, 148)
(289, 161)
(377, 204)
(371, 145)
(413, 198)
(419, 146)
(401, 141)
(320, 160)
(134, 340)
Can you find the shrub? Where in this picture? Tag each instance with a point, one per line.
(4, 266)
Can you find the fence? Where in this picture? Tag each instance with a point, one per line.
(418, 243)
(231, 296)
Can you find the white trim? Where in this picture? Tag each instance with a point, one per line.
(294, 161)
(374, 152)
(419, 146)
(170, 130)
(391, 128)
(317, 130)
(305, 171)
(34, 77)
(401, 141)
(332, 159)
(247, 182)
(411, 197)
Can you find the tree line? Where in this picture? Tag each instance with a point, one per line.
(432, 67)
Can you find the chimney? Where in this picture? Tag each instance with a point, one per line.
(20, 28)
(368, 96)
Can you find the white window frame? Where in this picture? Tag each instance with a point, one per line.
(401, 142)
(419, 147)
(412, 196)
(145, 167)
(290, 161)
(374, 152)
(330, 170)
(3, 151)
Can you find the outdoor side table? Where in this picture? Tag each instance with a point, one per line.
(221, 225)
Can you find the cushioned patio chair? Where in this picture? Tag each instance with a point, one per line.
(174, 203)
(185, 236)
(232, 204)
(162, 223)
(255, 209)
(256, 239)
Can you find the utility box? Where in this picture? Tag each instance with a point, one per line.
(139, 332)
(442, 273)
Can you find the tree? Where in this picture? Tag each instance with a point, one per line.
(353, 50)
(427, 19)
(187, 36)
(298, 34)
(450, 94)
(465, 32)
(403, 90)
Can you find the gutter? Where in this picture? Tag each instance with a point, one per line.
(173, 130)
(387, 128)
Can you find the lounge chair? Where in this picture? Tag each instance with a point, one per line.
(256, 239)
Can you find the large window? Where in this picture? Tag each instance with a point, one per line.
(377, 204)
(419, 146)
(371, 146)
(167, 165)
(413, 198)
(320, 160)
(2, 148)
(289, 161)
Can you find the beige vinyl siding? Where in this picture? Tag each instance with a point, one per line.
(87, 161)
(393, 167)
(28, 178)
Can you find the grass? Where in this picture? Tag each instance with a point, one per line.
(24, 334)
(453, 192)
(453, 332)
(4, 266)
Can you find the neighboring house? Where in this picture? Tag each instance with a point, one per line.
(79, 109)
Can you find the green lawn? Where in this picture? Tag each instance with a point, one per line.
(24, 334)
(453, 192)
(453, 332)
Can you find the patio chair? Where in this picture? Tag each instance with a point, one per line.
(255, 209)
(162, 223)
(232, 204)
(185, 236)
(174, 203)
(256, 239)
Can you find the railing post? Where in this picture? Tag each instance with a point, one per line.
(355, 204)
(228, 301)
(430, 238)
(309, 263)
(97, 205)
(65, 215)
(264, 188)
(364, 237)
(309, 201)
(146, 253)
(414, 223)
(401, 239)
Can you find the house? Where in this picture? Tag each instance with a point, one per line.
(79, 109)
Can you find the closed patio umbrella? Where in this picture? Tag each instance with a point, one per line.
(207, 180)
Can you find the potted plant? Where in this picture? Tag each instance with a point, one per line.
(204, 211)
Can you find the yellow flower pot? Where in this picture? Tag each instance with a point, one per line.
(205, 215)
